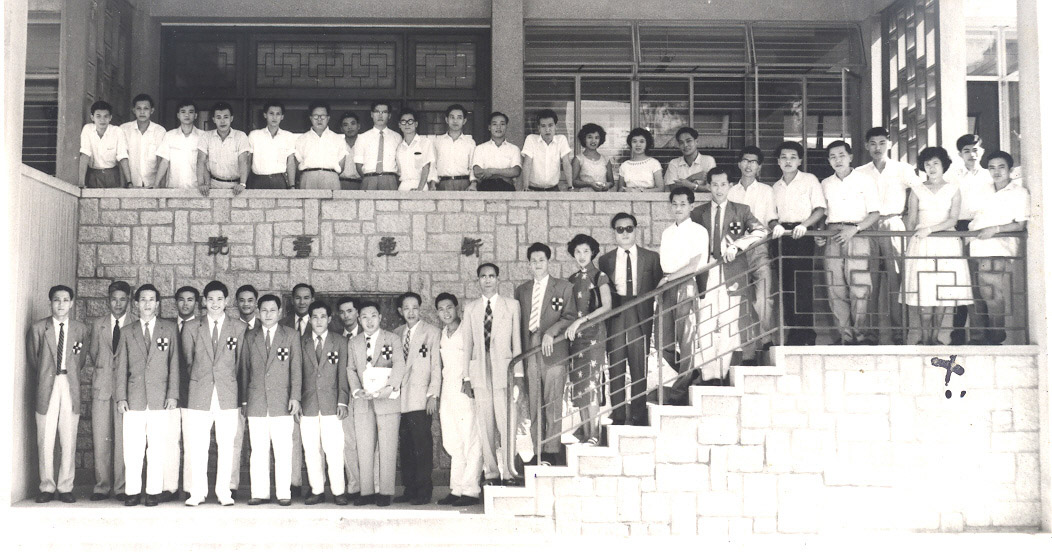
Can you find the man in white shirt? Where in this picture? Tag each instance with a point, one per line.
(320, 152)
(143, 137)
(349, 178)
(272, 153)
(177, 154)
(684, 249)
(375, 151)
(690, 169)
(453, 151)
(415, 154)
(544, 154)
(497, 162)
(103, 151)
(223, 162)
(977, 187)
(853, 206)
(894, 179)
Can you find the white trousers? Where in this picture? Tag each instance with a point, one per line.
(171, 449)
(264, 432)
(350, 453)
(185, 416)
(201, 422)
(239, 441)
(323, 433)
(145, 434)
(460, 438)
(60, 421)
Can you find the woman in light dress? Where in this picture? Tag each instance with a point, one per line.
(592, 170)
(641, 173)
(936, 272)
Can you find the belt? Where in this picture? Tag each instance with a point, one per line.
(114, 168)
(349, 179)
(381, 174)
(533, 188)
(445, 178)
(226, 179)
(790, 225)
(62, 372)
(312, 170)
(855, 224)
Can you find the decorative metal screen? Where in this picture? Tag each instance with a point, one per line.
(445, 65)
(911, 97)
(314, 64)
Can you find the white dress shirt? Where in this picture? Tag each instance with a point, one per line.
(454, 157)
(320, 152)
(538, 299)
(678, 169)
(366, 150)
(223, 153)
(106, 150)
(181, 152)
(147, 327)
(621, 275)
(546, 166)
(682, 242)
(65, 345)
(892, 184)
(977, 186)
(251, 322)
(759, 197)
(411, 160)
(350, 170)
(181, 322)
(211, 325)
(1005, 206)
(850, 200)
(303, 322)
(270, 152)
(796, 200)
(142, 152)
(489, 155)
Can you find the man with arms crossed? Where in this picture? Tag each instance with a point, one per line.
(178, 152)
(143, 137)
(272, 152)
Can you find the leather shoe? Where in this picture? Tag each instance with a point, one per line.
(466, 501)
(296, 490)
(365, 500)
(420, 500)
(95, 497)
(120, 497)
(233, 494)
(165, 496)
(43, 498)
(132, 500)
(256, 501)
(491, 482)
(354, 496)
(67, 498)
(450, 499)
(513, 483)
(340, 500)
(383, 500)
(151, 500)
(284, 502)
(314, 499)
(406, 497)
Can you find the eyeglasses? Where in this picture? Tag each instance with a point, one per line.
(625, 229)
(407, 122)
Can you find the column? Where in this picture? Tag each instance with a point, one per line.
(78, 20)
(507, 44)
(953, 68)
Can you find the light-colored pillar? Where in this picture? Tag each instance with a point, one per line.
(1035, 103)
(507, 61)
(73, 86)
(953, 71)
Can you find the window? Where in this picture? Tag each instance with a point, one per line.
(910, 32)
(40, 110)
(993, 87)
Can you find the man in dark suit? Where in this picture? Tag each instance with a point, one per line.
(423, 381)
(57, 348)
(299, 319)
(248, 312)
(212, 347)
(347, 312)
(634, 271)
(732, 229)
(106, 423)
(271, 383)
(549, 307)
(147, 387)
(187, 303)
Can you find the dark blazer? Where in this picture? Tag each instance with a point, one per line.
(558, 311)
(184, 367)
(393, 360)
(269, 382)
(647, 275)
(207, 369)
(423, 367)
(739, 225)
(103, 356)
(505, 342)
(325, 384)
(147, 373)
(43, 356)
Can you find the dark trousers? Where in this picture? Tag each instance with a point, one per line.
(350, 183)
(103, 178)
(453, 185)
(627, 348)
(798, 292)
(959, 335)
(495, 185)
(276, 181)
(415, 451)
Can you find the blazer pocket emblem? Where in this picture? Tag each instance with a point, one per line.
(162, 343)
(334, 357)
(423, 351)
(557, 303)
(77, 346)
(386, 352)
(231, 343)
(283, 353)
(736, 227)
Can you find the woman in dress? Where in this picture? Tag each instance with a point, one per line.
(641, 173)
(936, 273)
(591, 289)
(456, 412)
(592, 170)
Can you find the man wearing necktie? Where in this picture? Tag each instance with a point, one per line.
(56, 347)
(147, 386)
(187, 303)
(347, 311)
(299, 319)
(375, 151)
(247, 311)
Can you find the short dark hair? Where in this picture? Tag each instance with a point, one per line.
(623, 215)
(143, 98)
(349, 115)
(277, 104)
(247, 287)
(220, 106)
(583, 239)
(378, 103)
(456, 107)
(101, 105)
(751, 150)
(55, 289)
(315, 305)
(446, 296)
(547, 114)
(185, 103)
(188, 289)
(316, 104)
(538, 246)
(409, 295)
(216, 285)
(686, 130)
(496, 269)
(269, 297)
(877, 131)
(715, 171)
(147, 287)
(838, 144)
(933, 152)
(683, 191)
(346, 299)
(409, 111)
(787, 145)
(499, 114)
(118, 285)
(969, 140)
(999, 154)
(303, 285)
(369, 303)
(646, 136)
(591, 128)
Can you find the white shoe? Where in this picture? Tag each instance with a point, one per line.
(193, 501)
(226, 501)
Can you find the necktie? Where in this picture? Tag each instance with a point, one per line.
(487, 324)
(116, 336)
(299, 326)
(317, 347)
(368, 349)
(535, 311)
(630, 285)
(146, 336)
(215, 337)
(61, 345)
(405, 345)
(380, 154)
(266, 339)
(716, 237)
(180, 326)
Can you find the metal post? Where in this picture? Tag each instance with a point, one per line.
(539, 422)
(659, 327)
(781, 294)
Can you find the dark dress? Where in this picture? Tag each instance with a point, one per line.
(588, 350)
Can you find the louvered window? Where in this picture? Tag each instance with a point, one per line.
(40, 110)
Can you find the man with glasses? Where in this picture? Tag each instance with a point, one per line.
(320, 152)
(453, 153)
(415, 154)
(634, 271)
(375, 151)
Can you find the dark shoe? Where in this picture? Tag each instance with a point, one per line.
(43, 498)
(365, 500)
(868, 341)
(151, 500)
(132, 500)
(513, 483)
(120, 497)
(296, 491)
(182, 496)
(314, 499)
(383, 500)
(421, 500)
(284, 502)
(450, 499)
(466, 501)
(95, 497)
(957, 338)
(340, 500)
(406, 497)
(233, 494)
(491, 483)
(67, 498)
(354, 496)
(257, 501)
(767, 346)
(165, 496)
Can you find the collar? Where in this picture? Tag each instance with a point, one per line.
(251, 321)
(542, 283)
(371, 335)
(212, 321)
(723, 205)
(324, 131)
(458, 138)
(271, 329)
(680, 224)
(788, 182)
(634, 250)
(152, 322)
(493, 299)
(409, 328)
(322, 335)
(182, 321)
(55, 321)
(121, 320)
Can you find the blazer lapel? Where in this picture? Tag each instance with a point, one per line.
(48, 329)
(205, 333)
(140, 340)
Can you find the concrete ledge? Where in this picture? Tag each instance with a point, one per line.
(49, 181)
(349, 194)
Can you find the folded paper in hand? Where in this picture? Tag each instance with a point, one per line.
(375, 379)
